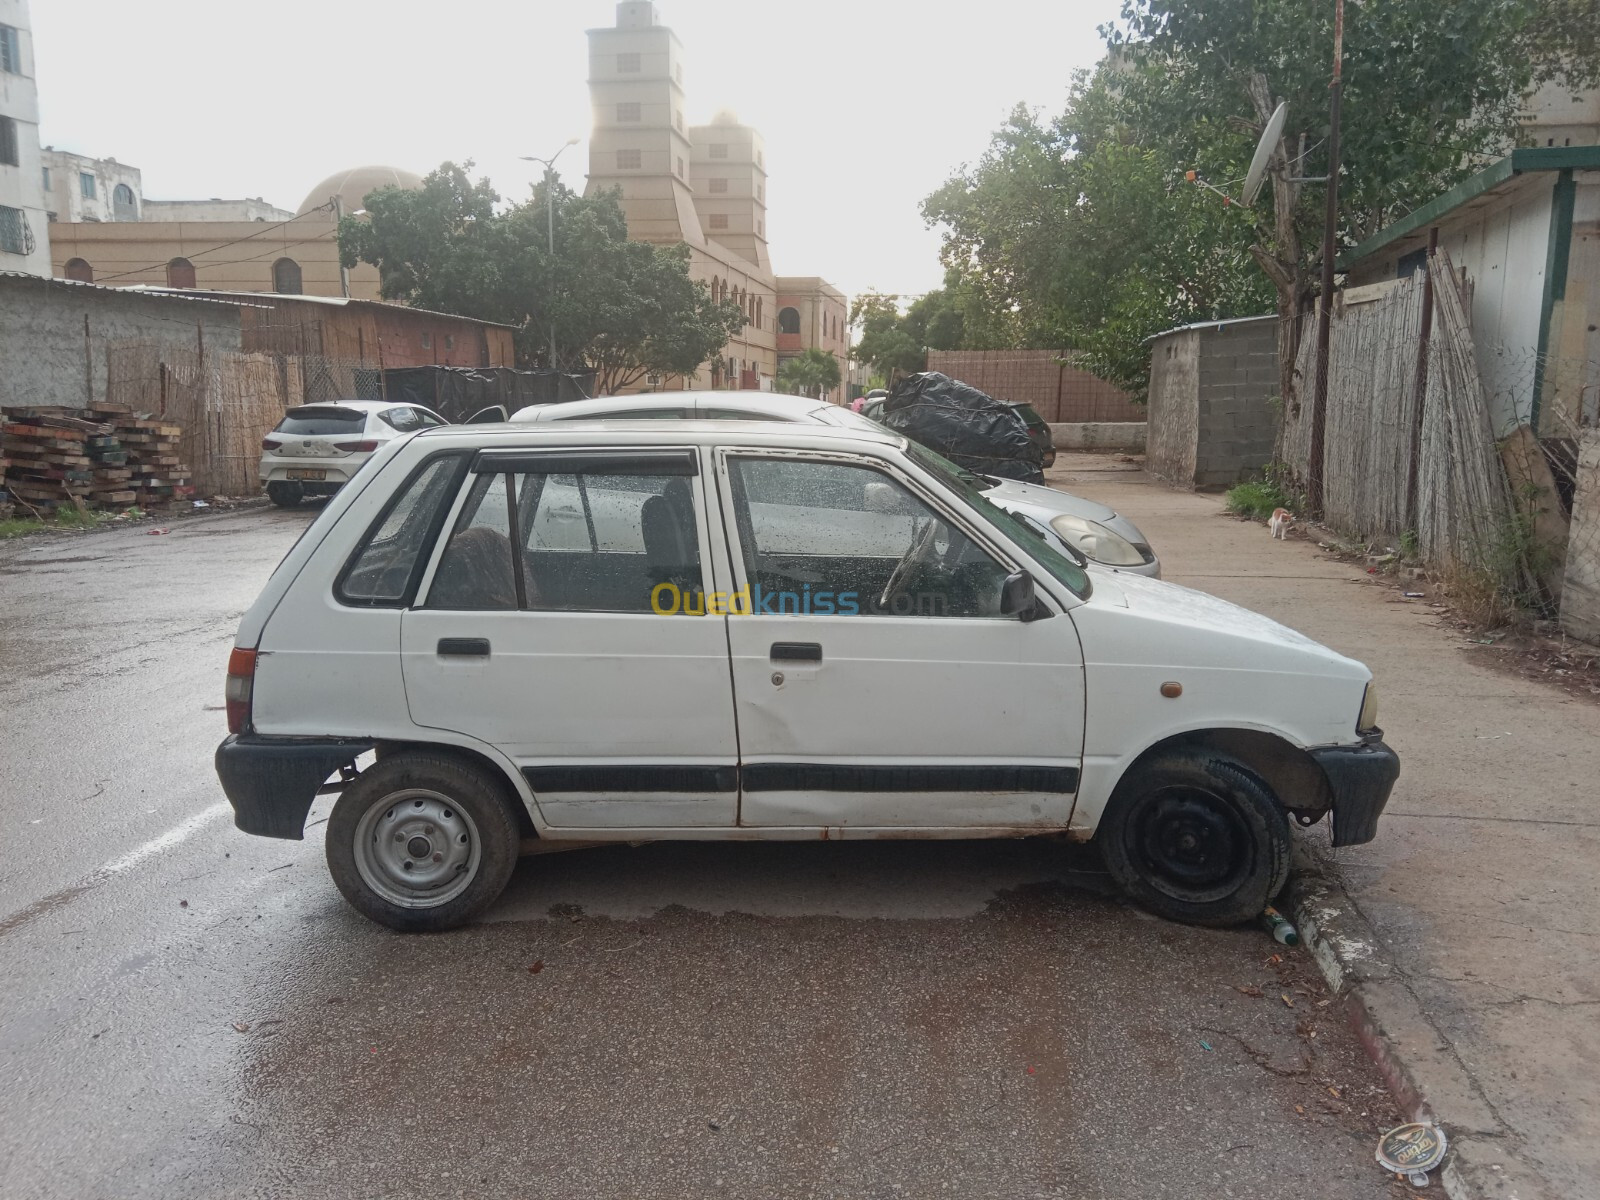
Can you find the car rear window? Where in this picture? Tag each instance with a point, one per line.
(322, 421)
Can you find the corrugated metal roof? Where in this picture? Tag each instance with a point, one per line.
(154, 293)
(264, 298)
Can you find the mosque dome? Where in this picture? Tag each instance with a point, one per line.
(353, 185)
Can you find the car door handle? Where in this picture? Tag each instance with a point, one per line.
(796, 652)
(465, 647)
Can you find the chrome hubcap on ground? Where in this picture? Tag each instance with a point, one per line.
(416, 849)
(1190, 843)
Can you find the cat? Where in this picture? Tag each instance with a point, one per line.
(1281, 519)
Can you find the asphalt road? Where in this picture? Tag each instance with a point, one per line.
(188, 1011)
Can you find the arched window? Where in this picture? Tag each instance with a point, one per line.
(124, 207)
(758, 311)
(80, 270)
(789, 320)
(286, 277)
(180, 273)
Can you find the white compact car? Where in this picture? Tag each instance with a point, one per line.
(637, 630)
(1094, 530)
(316, 449)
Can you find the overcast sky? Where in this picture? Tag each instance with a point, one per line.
(866, 105)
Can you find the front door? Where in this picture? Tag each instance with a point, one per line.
(544, 630)
(876, 683)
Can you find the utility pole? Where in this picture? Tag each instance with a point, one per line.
(344, 271)
(1319, 395)
(550, 223)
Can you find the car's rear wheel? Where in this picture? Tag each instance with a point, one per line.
(422, 841)
(285, 495)
(1196, 837)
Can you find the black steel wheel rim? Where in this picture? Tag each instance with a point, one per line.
(1190, 843)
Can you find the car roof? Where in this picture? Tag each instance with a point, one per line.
(781, 407)
(695, 430)
(368, 406)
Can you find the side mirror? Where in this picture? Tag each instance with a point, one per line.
(1018, 599)
(492, 415)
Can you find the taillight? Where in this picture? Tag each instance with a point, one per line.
(270, 443)
(355, 447)
(241, 683)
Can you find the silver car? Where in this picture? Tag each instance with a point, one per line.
(1094, 530)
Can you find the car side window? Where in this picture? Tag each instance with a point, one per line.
(828, 537)
(477, 569)
(428, 420)
(404, 419)
(620, 540)
(385, 567)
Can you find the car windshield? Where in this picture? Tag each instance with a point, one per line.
(322, 421)
(971, 487)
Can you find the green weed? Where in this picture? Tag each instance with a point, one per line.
(1256, 499)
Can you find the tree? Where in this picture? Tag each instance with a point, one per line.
(1081, 231)
(625, 309)
(885, 343)
(810, 373)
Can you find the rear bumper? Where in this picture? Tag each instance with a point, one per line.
(1360, 778)
(277, 470)
(271, 782)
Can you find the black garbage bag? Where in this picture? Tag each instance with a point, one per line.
(969, 427)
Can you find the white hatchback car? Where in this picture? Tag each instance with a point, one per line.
(1097, 532)
(316, 449)
(625, 631)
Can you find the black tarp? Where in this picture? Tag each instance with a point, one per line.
(967, 426)
(455, 393)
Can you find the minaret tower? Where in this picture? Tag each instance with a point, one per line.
(640, 143)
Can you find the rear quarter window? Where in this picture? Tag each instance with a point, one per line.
(322, 421)
(387, 566)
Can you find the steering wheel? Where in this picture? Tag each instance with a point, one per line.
(913, 559)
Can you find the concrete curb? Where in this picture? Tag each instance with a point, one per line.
(1419, 1066)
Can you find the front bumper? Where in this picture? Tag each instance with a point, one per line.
(271, 782)
(1360, 778)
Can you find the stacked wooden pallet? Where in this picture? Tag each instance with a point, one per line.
(155, 468)
(47, 460)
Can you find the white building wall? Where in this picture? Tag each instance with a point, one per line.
(66, 197)
(22, 186)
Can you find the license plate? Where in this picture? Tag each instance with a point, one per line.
(302, 473)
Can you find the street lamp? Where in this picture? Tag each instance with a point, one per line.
(550, 212)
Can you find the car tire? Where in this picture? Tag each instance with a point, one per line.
(422, 841)
(285, 495)
(1196, 837)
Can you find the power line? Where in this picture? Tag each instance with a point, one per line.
(224, 245)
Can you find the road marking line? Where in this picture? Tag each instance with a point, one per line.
(178, 833)
(172, 837)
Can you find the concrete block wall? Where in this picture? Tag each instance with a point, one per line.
(54, 335)
(1213, 416)
(1174, 407)
(1236, 421)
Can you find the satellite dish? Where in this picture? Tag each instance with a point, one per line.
(1264, 148)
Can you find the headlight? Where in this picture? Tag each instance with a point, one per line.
(1096, 541)
(1369, 710)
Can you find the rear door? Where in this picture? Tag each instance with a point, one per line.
(876, 684)
(563, 621)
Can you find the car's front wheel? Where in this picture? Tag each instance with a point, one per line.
(1195, 836)
(422, 841)
(285, 495)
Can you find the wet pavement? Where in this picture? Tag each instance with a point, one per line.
(192, 1012)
